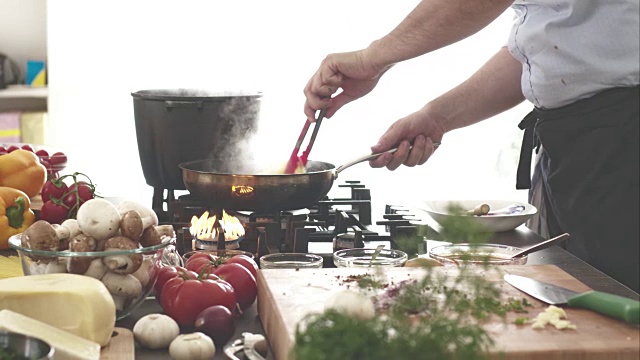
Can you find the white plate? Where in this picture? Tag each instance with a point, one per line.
(438, 210)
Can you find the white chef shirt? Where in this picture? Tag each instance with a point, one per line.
(572, 49)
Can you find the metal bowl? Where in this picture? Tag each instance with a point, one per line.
(19, 347)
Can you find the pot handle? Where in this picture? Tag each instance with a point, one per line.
(183, 104)
(372, 156)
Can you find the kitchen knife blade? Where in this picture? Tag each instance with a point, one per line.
(607, 304)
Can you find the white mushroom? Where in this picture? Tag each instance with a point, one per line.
(144, 211)
(99, 219)
(55, 267)
(123, 288)
(37, 268)
(122, 264)
(143, 274)
(96, 269)
(68, 230)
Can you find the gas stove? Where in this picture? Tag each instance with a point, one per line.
(323, 228)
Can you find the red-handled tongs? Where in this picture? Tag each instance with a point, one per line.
(294, 159)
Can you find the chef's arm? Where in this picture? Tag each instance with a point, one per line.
(494, 88)
(434, 24)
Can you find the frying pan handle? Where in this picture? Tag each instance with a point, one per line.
(372, 156)
(362, 159)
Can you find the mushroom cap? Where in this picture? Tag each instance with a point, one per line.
(144, 211)
(131, 225)
(98, 218)
(80, 243)
(150, 237)
(40, 236)
(120, 243)
(122, 285)
(122, 264)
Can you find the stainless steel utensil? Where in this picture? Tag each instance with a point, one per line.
(607, 304)
(543, 245)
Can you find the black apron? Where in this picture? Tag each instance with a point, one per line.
(589, 169)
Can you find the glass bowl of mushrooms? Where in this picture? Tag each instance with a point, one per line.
(122, 250)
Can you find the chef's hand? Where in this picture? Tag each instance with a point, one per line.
(353, 72)
(418, 129)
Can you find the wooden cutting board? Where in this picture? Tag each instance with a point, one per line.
(286, 296)
(121, 346)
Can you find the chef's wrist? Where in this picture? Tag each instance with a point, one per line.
(435, 118)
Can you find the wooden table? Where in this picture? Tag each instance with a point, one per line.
(521, 237)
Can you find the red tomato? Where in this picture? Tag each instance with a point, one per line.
(84, 190)
(199, 254)
(3, 149)
(43, 154)
(183, 300)
(166, 273)
(53, 213)
(12, 148)
(58, 159)
(27, 147)
(199, 264)
(53, 189)
(245, 261)
(243, 283)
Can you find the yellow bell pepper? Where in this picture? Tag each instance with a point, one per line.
(15, 214)
(22, 170)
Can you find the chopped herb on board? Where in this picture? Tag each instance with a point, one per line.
(439, 315)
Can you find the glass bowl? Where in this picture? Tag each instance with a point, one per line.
(362, 258)
(291, 261)
(42, 262)
(218, 253)
(477, 254)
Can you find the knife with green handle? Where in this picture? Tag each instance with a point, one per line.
(607, 304)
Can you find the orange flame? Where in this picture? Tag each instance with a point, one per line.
(204, 227)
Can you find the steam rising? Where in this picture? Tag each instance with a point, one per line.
(231, 147)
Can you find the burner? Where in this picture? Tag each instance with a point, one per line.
(328, 225)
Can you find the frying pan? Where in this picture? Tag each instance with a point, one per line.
(262, 192)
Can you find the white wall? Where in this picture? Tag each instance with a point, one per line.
(109, 49)
(23, 30)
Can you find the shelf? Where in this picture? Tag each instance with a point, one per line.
(23, 98)
(24, 92)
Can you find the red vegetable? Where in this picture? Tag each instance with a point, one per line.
(199, 264)
(53, 189)
(217, 322)
(53, 212)
(58, 159)
(245, 261)
(183, 299)
(243, 283)
(166, 273)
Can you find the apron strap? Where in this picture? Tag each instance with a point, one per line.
(529, 141)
